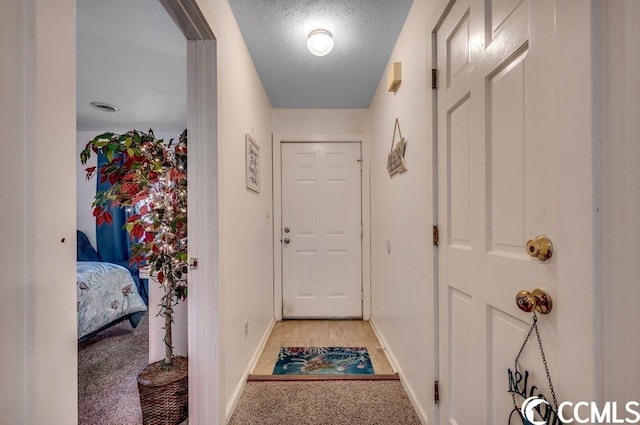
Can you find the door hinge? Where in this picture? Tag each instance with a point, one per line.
(434, 78)
(361, 231)
(360, 161)
(436, 392)
(436, 236)
(361, 295)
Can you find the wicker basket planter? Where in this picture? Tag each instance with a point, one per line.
(164, 392)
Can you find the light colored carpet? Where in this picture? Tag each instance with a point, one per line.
(324, 403)
(108, 365)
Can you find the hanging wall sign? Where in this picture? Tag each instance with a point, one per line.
(395, 159)
(532, 407)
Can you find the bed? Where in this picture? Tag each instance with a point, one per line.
(106, 294)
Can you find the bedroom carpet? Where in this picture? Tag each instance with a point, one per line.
(107, 369)
(324, 403)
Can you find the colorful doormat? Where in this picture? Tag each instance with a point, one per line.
(323, 361)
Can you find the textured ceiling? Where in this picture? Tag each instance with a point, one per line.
(132, 55)
(364, 32)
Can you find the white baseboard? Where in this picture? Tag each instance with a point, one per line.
(252, 364)
(422, 415)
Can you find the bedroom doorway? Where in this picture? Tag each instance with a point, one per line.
(197, 59)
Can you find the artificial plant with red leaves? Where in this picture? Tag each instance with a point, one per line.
(148, 177)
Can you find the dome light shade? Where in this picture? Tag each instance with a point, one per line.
(320, 42)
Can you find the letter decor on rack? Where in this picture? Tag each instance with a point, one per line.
(395, 159)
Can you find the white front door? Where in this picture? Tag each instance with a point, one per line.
(497, 189)
(321, 230)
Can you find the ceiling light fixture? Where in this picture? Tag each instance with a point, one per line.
(104, 107)
(320, 42)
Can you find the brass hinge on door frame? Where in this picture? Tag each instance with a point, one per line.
(436, 392)
(434, 78)
(436, 236)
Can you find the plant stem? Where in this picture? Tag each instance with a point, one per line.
(168, 316)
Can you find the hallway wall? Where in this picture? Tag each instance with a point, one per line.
(621, 198)
(402, 298)
(320, 121)
(246, 247)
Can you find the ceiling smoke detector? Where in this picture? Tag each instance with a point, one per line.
(104, 107)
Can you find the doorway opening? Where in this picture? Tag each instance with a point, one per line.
(200, 112)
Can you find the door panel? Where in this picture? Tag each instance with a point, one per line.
(321, 205)
(505, 142)
(461, 365)
(495, 143)
(459, 188)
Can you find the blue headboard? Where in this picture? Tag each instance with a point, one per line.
(86, 252)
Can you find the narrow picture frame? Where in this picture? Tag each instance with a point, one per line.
(252, 163)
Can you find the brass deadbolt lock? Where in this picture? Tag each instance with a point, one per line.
(538, 300)
(540, 248)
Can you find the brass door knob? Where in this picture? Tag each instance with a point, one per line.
(538, 300)
(525, 301)
(540, 248)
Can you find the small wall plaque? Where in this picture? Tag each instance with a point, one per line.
(252, 163)
(395, 159)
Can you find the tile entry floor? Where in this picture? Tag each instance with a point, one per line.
(322, 333)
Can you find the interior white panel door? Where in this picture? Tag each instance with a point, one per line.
(497, 174)
(321, 230)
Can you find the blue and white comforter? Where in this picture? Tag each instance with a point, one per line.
(106, 292)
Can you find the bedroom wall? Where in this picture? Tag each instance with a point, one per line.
(246, 253)
(39, 345)
(402, 293)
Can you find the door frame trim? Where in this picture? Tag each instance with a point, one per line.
(277, 141)
(434, 23)
(203, 315)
